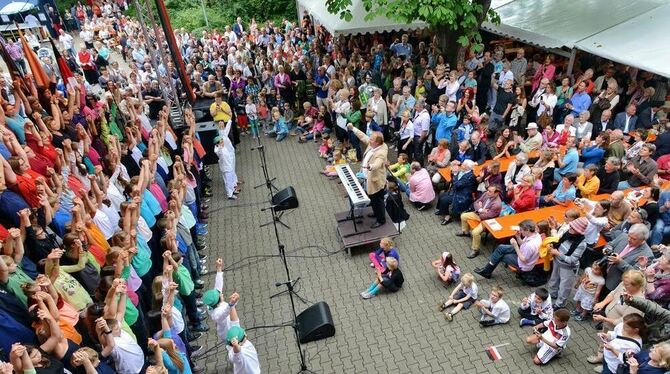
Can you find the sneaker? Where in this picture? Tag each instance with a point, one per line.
(368, 296)
(200, 327)
(580, 318)
(526, 322)
(372, 265)
(575, 313)
(449, 317)
(194, 336)
(598, 369)
(441, 307)
(363, 294)
(233, 197)
(472, 254)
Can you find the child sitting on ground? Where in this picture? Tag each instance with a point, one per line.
(447, 270)
(495, 310)
(325, 147)
(552, 341)
(463, 296)
(385, 250)
(589, 288)
(316, 131)
(338, 159)
(535, 308)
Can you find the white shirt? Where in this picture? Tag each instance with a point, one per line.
(246, 360)
(66, 40)
(127, 354)
(627, 125)
(500, 310)
(555, 335)
(407, 131)
(471, 291)
(620, 345)
(421, 122)
(550, 100)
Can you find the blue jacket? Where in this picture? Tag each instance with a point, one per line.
(461, 193)
(593, 155)
(392, 253)
(445, 125)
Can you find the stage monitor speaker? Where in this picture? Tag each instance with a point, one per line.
(315, 323)
(285, 199)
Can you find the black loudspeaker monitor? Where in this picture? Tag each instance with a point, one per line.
(285, 199)
(315, 323)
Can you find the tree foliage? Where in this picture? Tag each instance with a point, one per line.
(460, 17)
(188, 13)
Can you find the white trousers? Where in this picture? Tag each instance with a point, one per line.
(230, 181)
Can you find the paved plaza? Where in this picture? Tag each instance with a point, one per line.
(396, 333)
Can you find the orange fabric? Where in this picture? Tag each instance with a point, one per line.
(41, 78)
(98, 238)
(26, 186)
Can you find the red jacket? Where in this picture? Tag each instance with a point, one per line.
(525, 201)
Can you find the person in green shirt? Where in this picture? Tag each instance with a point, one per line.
(186, 289)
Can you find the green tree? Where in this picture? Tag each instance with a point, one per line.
(456, 22)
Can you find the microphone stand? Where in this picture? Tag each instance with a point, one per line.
(290, 283)
(272, 189)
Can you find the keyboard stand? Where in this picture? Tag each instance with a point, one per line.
(354, 219)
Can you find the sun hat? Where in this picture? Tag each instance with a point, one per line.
(211, 298)
(235, 332)
(532, 125)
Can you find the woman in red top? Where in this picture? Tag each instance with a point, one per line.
(26, 180)
(523, 195)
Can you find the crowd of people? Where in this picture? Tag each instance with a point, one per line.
(103, 205)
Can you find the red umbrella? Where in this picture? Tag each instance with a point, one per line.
(65, 71)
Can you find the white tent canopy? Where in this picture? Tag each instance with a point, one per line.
(630, 32)
(358, 25)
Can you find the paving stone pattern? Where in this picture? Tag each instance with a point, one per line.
(391, 333)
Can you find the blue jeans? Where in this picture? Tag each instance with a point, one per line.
(504, 253)
(623, 185)
(281, 136)
(660, 230)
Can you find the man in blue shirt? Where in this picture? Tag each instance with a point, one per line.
(580, 102)
(445, 122)
(402, 49)
(321, 83)
(568, 163)
(662, 226)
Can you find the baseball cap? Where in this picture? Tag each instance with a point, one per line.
(211, 298)
(235, 332)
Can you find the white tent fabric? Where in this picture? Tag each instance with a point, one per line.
(642, 41)
(358, 25)
(631, 32)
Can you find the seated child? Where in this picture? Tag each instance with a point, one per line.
(589, 288)
(400, 171)
(552, 341)
(391, 280)
(316, 131)
(447, 270)
(535, 308)
(385, 250)
(495, 310)
(463, 296)
(280, 129)
(338, 159)
(325, 147)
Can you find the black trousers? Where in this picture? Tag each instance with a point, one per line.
(377, 204)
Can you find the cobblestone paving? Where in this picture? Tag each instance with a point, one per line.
(397, 333)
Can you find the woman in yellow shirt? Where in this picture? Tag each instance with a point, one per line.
(588, 183)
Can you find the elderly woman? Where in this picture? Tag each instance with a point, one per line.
(459, 197)
(611, 310)
(523, 195)
(438, 158)
(488, 206)
(391, 280)
(421, 192)
(517, 170)
(462, 152)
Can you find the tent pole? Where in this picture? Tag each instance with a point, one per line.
(571, 63)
